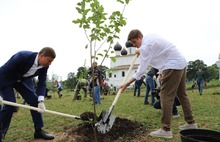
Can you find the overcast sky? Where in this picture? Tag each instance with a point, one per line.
(192, 25)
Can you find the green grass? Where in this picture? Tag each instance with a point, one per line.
(205, 109)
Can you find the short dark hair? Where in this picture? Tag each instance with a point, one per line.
(134, 34)
(48, 51)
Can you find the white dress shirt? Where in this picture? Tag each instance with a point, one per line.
(34, 68)
(31, 71)
(160, 54)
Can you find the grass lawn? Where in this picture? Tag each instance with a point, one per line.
(206, 109)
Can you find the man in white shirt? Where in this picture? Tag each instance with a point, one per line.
(163, 55)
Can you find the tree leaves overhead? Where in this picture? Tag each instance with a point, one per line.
(99, 26)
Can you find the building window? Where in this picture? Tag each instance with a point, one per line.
(114, 75)
(123, 73)
(110, 75)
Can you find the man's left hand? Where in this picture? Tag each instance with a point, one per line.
(41, 107)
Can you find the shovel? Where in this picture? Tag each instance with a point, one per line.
(38, 109)
(106, 119)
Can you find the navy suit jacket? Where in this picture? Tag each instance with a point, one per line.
(14, 69)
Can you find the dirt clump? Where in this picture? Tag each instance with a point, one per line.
(87, 116)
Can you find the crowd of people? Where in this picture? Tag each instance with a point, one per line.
(165, 83)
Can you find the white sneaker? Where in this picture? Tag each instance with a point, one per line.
(188, 126)
(175, 116)
(161, 133)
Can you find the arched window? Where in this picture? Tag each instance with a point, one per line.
(123, 73)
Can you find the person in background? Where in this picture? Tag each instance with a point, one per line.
(150, 85)
(163, 55)
(59, 88)
(200, 80)
(17, 73)
(157, 104)
(137, 85)
(81, 84)
(95, 81)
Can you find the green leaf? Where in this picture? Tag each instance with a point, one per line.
(100, 54)
(86, 46)
(113, 59)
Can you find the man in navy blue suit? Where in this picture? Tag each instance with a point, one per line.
(17, 73)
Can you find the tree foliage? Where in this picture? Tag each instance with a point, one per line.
(193, 67)
(211, 72)
(70, 83)
(99, 28)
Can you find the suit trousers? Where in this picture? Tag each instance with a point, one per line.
(7, 111)
(173, 83)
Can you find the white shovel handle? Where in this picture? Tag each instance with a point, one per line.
(125, 79)
(38, 109)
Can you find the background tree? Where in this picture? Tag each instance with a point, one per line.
(70, 83)
(103, 69)
(212, 72)
(193, 67)
(99, 29)
(82, 72)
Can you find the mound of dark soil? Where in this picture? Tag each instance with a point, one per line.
(122, 130)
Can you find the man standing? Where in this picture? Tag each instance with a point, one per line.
(163, 55)
(150, 85)
(137, 85)
(17, 73)
(95, 81)
(200, 80)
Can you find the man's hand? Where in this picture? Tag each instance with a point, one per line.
(42, 107)
(1, 100)
(123, 87)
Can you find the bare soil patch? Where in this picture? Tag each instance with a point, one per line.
(122, 130)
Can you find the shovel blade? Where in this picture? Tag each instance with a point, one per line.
(104, 127)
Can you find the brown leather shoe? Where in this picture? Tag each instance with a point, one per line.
(43, 135)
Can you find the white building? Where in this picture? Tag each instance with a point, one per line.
(118, 69)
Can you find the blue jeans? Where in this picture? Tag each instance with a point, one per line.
(97, 95)
(150, 86)
(137, 87)
(200, 86)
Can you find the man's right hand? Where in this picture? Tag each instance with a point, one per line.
(123, 87)
(1, 100)
(137, 52)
